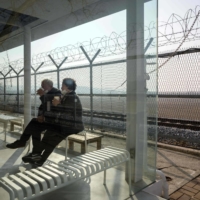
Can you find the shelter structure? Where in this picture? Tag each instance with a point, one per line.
(25, 21)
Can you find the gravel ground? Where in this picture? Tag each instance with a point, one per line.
(168, 135)
(179, 137)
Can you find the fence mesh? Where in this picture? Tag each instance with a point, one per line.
(178, 90)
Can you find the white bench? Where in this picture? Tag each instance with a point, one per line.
(5, 119)
(39, 181)
(17, 122)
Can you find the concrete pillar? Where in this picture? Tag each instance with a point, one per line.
(27, 75)
(136, 89)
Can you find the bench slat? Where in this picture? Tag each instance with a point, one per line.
(80, 167)
(93, 160)
(55, 177)
(113, 157)
(116, 155)
(38, 179)
(62, 175)
(48, 179)
(90, 166)
(73, 167)
(121, 155)
(17, 190)
(86, 168)
(36, 182)
(25, 187)
(96, 154)
(99, 159)
(93, 163)
(33, 183)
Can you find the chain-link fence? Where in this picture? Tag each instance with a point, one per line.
(179, 87)
(102, 89)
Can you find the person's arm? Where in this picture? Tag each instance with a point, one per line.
(47, 98)
(60, 110)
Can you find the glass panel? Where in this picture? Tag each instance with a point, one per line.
(142, 90)
(115, 70)
(150, 21)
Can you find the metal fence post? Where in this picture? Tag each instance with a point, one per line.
(4, 98)
(17, 86)
(35, 70)
(4, 82)
(58, 67)
(91, 83)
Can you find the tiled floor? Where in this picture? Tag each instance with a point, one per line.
(87, 189)
(180, 167)
(190, 191)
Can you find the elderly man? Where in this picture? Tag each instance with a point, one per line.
(37, 125)
(64, 119)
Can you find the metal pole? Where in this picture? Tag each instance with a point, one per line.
(91, 83)
(58, 78)
(58, 68)
(17, 93)
(27, 75)
(17, 87)
(35, 86)
(4, 92)
(91, 97)
(4, 82)
(35, 93)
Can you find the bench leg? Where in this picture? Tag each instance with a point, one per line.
(66, 140)
(9, 190)
(71, 145)
(104, 178)
(5, 129)
(11, 127)
(83, 147)
(99, 144)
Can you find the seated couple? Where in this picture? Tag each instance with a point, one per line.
(60, 114)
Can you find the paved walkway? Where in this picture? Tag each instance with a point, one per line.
(182, 168)
(190, 191)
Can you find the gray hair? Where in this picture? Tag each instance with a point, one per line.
(48, 81)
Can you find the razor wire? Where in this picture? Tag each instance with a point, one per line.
(171, 32)
(179, 45)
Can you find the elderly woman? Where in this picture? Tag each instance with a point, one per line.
(66, 117)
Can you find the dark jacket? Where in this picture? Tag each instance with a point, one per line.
(68, 115)
(47, 97)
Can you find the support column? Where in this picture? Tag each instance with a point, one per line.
(136, 89)
(27, 75)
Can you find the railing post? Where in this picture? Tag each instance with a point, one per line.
(91, 83)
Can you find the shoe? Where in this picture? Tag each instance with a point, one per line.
(38, 163)
(31, 158)
(16, 144)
